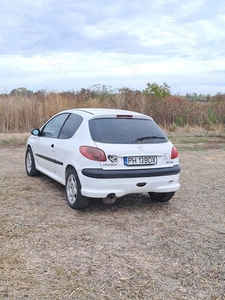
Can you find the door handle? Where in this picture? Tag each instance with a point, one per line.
(52, 145)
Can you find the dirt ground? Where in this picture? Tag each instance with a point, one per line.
(134, 249)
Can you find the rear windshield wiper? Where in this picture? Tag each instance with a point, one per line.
(149, 138)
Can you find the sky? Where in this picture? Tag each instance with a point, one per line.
(68, 45)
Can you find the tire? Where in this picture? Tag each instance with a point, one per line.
(30, 163)
(161, 197)
(73, 191)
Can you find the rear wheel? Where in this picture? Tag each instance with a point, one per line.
(73, 191)
(30, 164)
(161, 197)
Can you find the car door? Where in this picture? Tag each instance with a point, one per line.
(45, 145)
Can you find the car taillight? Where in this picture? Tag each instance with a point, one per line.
(93, 153)
(174, 153)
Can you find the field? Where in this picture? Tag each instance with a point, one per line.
(134, 249)
(20, 113)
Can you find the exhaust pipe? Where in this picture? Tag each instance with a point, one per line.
(110, 199)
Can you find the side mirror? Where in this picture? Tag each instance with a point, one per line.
(35, 132)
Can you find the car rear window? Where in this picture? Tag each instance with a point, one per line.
(126, 131)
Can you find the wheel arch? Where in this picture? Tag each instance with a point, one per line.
(69, 167)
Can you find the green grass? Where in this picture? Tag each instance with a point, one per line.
(183, 141)
(13, 139)
(196, 142)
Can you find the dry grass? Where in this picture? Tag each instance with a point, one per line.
(20, 113)
(134, 249)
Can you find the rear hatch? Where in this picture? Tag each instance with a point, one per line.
(131, 142)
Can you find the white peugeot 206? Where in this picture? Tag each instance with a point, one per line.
(104, 153)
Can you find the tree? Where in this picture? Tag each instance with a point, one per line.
(159, 91)
(20, 91)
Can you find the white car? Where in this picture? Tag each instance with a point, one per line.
(104, 153)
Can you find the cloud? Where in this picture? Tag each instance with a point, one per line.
(77, 43)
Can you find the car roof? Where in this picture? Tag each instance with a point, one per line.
(107, 112)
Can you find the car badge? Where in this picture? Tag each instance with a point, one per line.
(113, 158)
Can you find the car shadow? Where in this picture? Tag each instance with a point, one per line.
(129, 202)
(126, 203)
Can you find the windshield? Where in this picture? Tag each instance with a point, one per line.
(126, 131)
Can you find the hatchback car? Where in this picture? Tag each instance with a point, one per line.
(104, 153)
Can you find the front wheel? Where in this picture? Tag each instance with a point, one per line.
(30, 163)
(73, 191)
(161, 197)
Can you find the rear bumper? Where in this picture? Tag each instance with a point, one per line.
(97, 183)
(112, 174)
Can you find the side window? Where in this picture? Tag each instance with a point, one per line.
(52, 128)
(70, 127)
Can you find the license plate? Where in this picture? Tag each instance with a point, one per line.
(140, 160)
